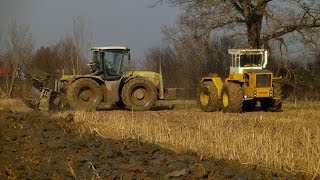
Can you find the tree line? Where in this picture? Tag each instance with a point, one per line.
(18, 54)
(197, 44)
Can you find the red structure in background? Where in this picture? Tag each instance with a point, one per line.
(5, 70)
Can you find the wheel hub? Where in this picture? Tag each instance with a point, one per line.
(204, 98)
(85, 96)
(139, 94)
(225, 100)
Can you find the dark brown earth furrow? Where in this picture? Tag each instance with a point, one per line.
(34, 145)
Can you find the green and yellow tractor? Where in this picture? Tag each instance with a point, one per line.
(132, 90)
(248, 83)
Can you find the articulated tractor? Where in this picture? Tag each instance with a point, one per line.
(132, 90)
(248, 83)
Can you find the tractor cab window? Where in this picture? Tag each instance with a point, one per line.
(251, 60)
(112, 62)
(96, 62)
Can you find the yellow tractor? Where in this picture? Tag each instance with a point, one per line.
(248, 83)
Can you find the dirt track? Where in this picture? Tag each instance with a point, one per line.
(33, 145)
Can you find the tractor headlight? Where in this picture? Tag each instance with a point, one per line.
(254, 93)
(270, 93)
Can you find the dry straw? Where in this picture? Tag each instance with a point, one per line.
(288, 141)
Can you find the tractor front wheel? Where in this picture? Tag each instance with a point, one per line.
(275, 104)
(84, 94)
(139, 94)
(277, 93)
(208, 97)
(232, 98)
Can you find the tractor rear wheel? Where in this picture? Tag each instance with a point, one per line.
(139, 94)
(208, 97)
(232, 98)
(84, 94)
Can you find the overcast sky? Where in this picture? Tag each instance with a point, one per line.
(111, 22)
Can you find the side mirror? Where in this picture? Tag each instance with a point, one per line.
(129, 56)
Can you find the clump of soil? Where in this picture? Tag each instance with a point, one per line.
(33, 145)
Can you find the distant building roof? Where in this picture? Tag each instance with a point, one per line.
(5, 70)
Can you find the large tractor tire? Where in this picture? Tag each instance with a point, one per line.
(277, 93)
(84, 94)
(208, 97)
(232, 98)
(139, 94)
(273, 105)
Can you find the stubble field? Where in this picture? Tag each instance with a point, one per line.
(174, 140)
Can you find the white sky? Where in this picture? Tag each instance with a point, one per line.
(116, 22)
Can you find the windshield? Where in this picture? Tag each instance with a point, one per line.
(110, 60)
(113, 61)
(252, 60)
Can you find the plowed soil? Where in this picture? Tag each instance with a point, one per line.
(35, 145)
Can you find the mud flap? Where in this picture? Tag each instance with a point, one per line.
(57, 102)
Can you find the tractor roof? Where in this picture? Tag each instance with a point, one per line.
(246, 51)
(109, 48)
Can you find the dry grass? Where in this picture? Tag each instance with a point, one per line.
(287, 141)
(9, 103)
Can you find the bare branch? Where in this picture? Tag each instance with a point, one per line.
(263, 20)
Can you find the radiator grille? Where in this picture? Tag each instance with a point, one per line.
(263, 80)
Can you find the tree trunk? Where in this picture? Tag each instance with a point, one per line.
(253, 31)
(12, 82)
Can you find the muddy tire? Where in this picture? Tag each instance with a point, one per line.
(139, 94)
(84, 94)
(232, 98)
(208, 100)
(277, 93)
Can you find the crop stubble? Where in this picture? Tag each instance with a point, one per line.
(288, 141)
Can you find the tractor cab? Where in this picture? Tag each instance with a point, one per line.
(107, 61)
(243, 59)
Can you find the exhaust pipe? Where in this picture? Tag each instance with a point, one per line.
(161, 88)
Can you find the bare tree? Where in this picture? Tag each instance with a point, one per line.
(258, 20)
(19, 47)
(185, 62)
(68, 54)
(81, 41)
